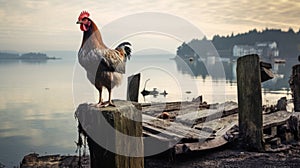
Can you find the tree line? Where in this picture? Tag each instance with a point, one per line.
(288, 43)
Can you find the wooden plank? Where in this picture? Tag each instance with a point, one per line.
(202, 136)
(155, 136)
(220, 126)
(133, 87)
(163, 133)
(157, 108)
(276, 118)
(198, 116)
(205, 115)
(196, 146)
(218, 141)
(223, 125)
(173, 130)
(179, 108)
(269, 120)
(266, 74)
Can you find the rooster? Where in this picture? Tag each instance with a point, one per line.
(104, 66)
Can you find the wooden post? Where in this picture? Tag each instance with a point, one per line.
(133, 87)
(114, 134)
(295, 86)
(250, 102)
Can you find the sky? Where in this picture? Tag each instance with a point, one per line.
(44, 25)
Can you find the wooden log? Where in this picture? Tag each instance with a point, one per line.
(133, 87)
(250, 102)
(114, 134)
(295, 86)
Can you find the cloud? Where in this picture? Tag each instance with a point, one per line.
(48, 25)
(256, 14)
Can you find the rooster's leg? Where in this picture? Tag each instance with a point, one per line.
(100, 102)
(110, 103)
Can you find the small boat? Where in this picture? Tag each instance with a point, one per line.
(145, 92)
(164, 93)
(188, 92)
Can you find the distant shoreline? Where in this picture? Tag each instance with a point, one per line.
(48, 58)
(26, 56)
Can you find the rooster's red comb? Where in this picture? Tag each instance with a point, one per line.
(83, 14)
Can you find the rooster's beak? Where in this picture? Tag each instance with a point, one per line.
(78, 22)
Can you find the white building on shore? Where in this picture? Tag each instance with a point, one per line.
(266, 50)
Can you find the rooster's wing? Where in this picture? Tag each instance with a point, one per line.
(111, 60)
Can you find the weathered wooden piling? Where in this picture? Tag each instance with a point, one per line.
(133, 87)
(295, 86)
(250, 102)
(294, 122)
(114, 134)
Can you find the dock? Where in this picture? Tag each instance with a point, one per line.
(193, 126)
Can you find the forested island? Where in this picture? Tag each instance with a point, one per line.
(282, 44)
(31, 55)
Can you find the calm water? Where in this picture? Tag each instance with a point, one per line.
(38, 99)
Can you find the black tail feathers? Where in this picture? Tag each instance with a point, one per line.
(125, 46)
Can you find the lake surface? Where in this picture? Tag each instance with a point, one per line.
(39, 98)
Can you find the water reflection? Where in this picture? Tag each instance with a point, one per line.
(34, 61)
(33, 118)
(198, 67)
(8, 61)
(29, 61)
